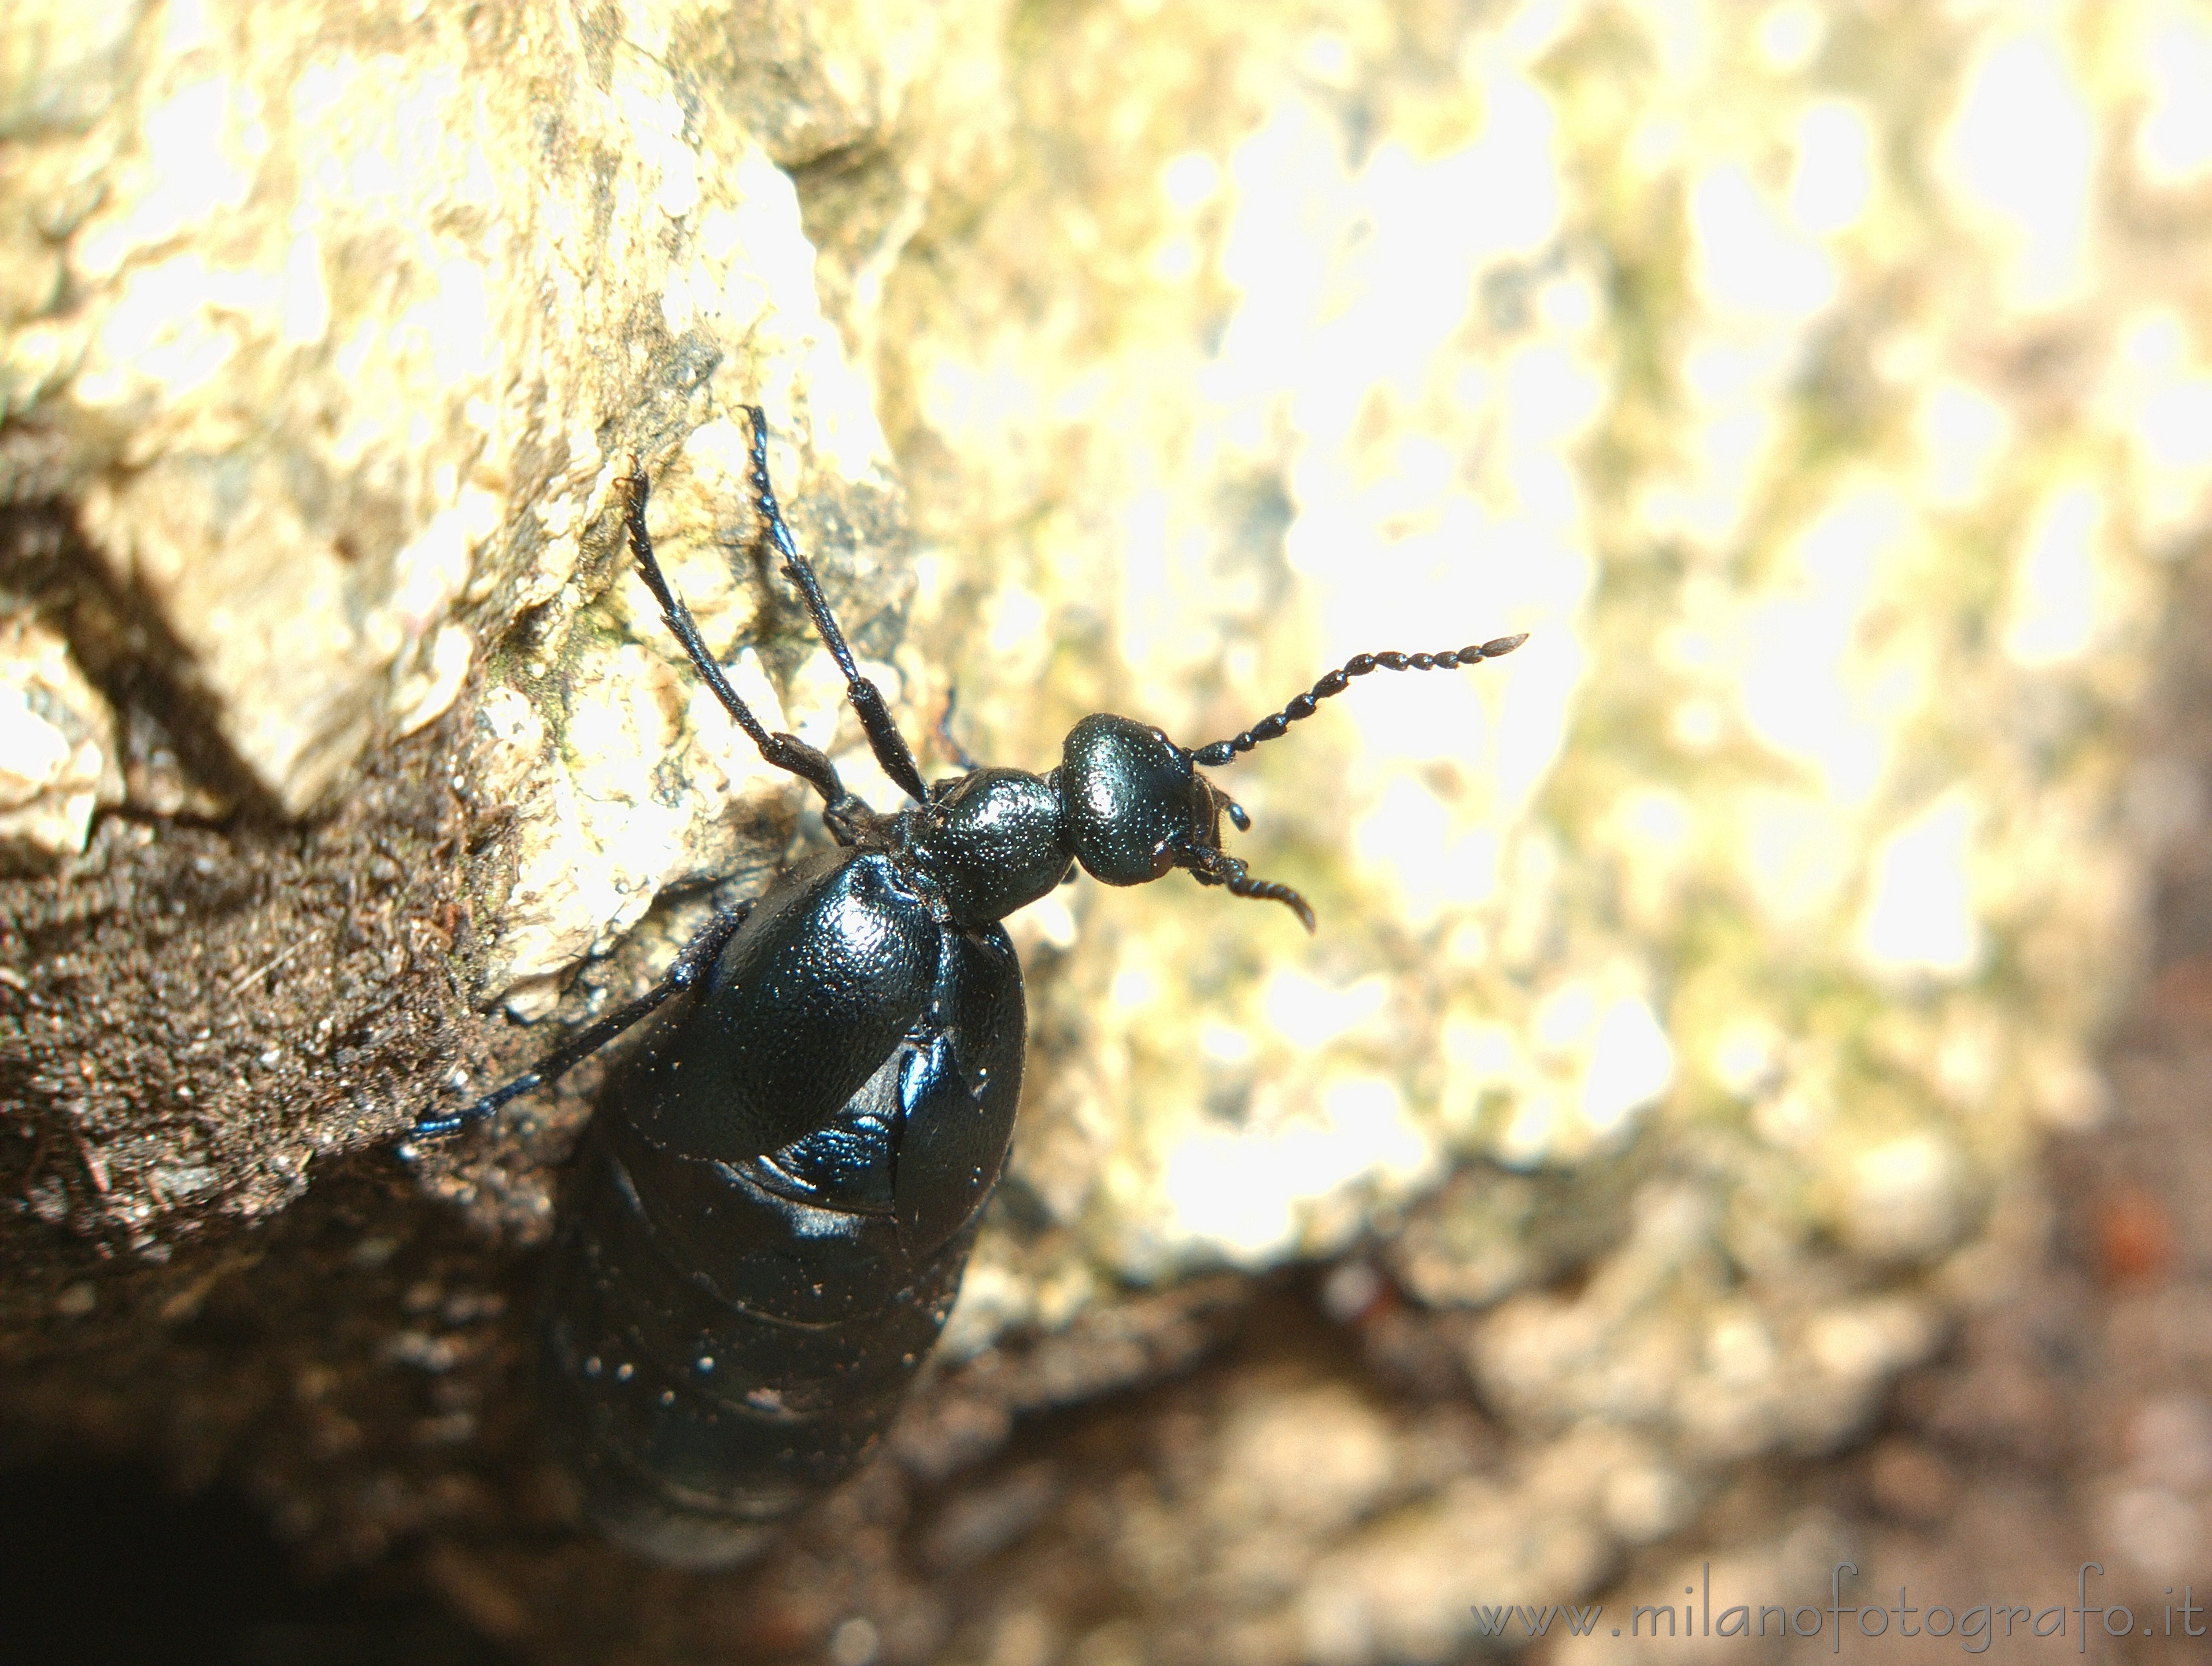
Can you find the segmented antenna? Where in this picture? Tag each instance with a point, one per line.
(1210, 866)
(1267, 728)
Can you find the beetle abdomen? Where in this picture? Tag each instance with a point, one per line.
(697, 1423)
(724, 1341)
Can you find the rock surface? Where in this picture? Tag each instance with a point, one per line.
(1818, 385)
(58, 752)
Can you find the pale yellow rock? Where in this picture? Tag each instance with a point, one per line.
(58, 760)
(1824, 388)
(361, 318)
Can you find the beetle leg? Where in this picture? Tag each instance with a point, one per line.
(951, 748)
(884, 739)
(699, 955)
(786, 751)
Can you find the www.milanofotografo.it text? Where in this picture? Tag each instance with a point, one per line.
(1976, 1628)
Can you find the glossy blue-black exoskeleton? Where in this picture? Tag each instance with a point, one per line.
(775, 1197)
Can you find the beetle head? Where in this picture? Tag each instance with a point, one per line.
(1134, 805)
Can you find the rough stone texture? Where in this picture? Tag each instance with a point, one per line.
(1835, 440)
(57, 751)
(352, 319)
(1823, 388)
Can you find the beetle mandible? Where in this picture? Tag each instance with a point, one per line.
(774, 1198)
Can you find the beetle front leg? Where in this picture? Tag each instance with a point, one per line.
(698, 956)
(785, 752)
(892, 753)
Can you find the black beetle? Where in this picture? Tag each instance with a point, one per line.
(776, 1194)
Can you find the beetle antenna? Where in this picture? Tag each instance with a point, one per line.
(1210, 866)
(1267, 728)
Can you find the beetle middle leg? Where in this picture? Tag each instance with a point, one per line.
(698, 957)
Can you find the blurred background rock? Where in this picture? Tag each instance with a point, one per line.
(1737, 1108)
